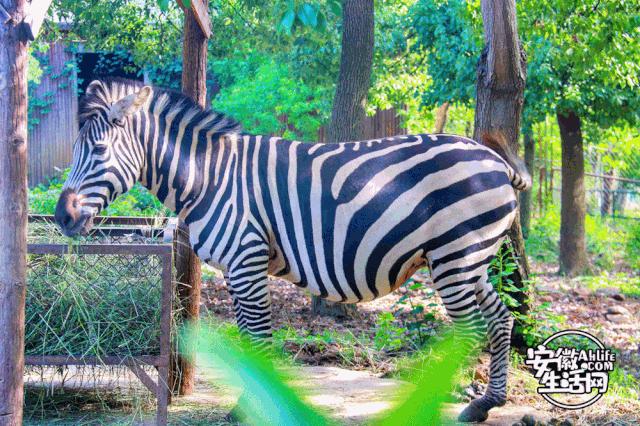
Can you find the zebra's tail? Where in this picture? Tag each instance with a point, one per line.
(520, 177)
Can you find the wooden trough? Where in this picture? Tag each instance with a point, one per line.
(121, 234)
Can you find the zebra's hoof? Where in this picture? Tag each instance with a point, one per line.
(473, 414)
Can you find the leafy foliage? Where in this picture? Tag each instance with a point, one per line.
(287, 106)
(450, 33)
(137, 202)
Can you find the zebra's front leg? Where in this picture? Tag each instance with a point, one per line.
(252, 306)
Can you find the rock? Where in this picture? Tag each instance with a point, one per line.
(616, 318)
(528, 420)
(547, 289)
(618, 310)
(566, 422)
(518, 424)
(618, 296)
(609, 292)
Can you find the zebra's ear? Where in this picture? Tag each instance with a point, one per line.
(128, 105)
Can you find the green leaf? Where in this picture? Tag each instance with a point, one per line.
(270, 399)
(335, 7)
(163, 5)
(308, 15)
(186, 3)
(287, 21)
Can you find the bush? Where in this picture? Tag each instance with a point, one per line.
(287, 106)
(605, 240)
(137, 202)
(632, 254)
(542, 244)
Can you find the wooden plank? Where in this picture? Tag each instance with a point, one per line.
(133, 249)
(201, 11)
(144, 378)
(36, 12)
(5, 17)
(55, 125)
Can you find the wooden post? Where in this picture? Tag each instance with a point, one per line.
(13, 208)
(194, 85)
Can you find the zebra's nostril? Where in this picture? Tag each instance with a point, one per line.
(67, 221)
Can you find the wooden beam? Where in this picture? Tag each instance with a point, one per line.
(201, 13)
(194, 85)
(36, 13)
(13, 212)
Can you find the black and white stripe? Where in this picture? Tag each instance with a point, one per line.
(349, 222)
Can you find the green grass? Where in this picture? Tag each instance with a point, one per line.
(624, 283)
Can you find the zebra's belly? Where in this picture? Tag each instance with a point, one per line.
(366, 281)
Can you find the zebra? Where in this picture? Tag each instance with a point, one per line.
(349, 222)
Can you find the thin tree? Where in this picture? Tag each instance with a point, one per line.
(500, 96)
(442, 113)
(13, 210)
(348, 112)
(573, 209)
(354, 79)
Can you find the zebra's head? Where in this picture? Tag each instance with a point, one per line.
(107, 157)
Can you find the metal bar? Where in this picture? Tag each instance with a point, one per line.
(155, 360)
(131, 249)
(620, 179)
(110, 220)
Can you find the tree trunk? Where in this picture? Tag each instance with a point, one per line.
(606, 204)
(13, 213)
(441, 117)
(354, 78)
(526, 198)
(573, 251)
(500, 96)
(188, 273)
(348, 113)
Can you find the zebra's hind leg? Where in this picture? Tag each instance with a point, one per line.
(499, 324)
(459, 299)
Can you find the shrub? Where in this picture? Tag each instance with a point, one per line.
(632, 254)
(137, 202)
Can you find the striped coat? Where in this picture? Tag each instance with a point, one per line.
(349, 222)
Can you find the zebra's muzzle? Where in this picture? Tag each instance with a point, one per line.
(71, 218)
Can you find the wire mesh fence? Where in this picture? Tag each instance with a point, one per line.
(611, 178)
(100, 309)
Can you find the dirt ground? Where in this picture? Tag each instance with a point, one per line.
(609, 315)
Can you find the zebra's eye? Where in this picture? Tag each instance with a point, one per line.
(99, 149)
(118, 122)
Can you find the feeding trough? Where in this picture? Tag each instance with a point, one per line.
(104, 300)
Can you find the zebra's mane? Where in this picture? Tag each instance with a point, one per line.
(101, 94)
